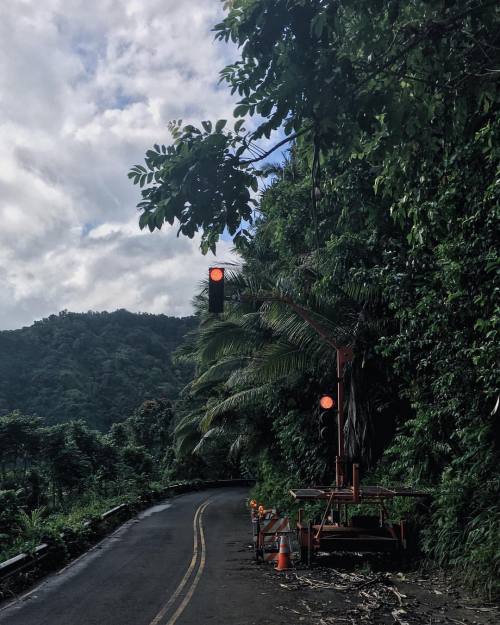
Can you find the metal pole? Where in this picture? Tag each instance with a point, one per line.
(340, 422)
(355, 482)
(338, 471)
(309, 544)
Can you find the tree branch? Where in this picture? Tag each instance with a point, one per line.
(278, 145)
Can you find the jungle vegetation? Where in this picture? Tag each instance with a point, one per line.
(95, 367)
(86, 421)
(55, 477)
(359, 180)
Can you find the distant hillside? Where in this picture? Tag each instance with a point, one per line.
(93, 366)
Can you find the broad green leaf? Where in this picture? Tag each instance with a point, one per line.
(241, 110)
(219, 126)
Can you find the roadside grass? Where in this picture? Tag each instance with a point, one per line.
(60, 527)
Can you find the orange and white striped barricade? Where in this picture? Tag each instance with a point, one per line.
(269, 532)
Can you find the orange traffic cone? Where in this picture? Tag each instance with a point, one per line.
(284, 563)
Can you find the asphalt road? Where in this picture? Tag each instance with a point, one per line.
(186, 561)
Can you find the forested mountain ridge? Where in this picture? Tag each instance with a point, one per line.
(93, 366)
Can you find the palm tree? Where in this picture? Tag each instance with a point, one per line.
(267, 337)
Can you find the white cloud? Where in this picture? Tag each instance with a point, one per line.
(86, 87)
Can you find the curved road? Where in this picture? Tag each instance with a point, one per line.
(185, 562)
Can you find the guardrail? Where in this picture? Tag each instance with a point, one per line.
(114, 511)
(26, 562)
(19, 563)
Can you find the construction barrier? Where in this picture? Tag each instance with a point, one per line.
(267, 528)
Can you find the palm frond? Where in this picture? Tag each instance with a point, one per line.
(224, 339)
(239, 443)
(248, 398)
(287, 323)
(211, 434)
(362, 292)
(218, 372)
(188, 432)
(279, 360)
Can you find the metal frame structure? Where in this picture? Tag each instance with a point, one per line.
(336, 531)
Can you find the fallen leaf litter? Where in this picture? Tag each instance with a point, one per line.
(328, 596)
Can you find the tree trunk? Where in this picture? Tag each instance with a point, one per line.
(359, 431)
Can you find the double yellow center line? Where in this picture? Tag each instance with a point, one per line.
(199, 547)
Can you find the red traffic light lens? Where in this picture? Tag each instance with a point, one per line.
(327, 402)
(216, 274)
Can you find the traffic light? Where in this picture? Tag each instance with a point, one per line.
(327, 417)
(327, 402)
(215, 289)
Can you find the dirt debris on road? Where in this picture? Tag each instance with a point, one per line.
(324, 595)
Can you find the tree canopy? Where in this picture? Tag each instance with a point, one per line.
(383, 82)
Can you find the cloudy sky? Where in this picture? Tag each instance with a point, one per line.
(86, 86)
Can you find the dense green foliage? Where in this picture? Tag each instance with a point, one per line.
(379, 229)
(93, 366)
(54, 477)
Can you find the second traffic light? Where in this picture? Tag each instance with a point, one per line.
(327, 417)
(327, 402)
(216, 290)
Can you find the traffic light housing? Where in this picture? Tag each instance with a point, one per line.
(327, 423)
(216, 290)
